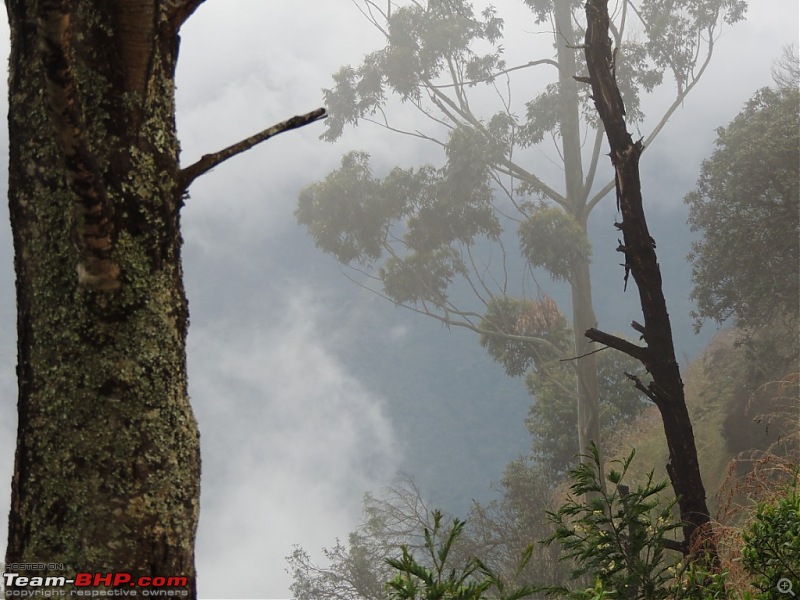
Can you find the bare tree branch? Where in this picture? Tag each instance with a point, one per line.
(209, 161)
(488, 78)
(580, 356)
(666, 390)
(681, 96)
(589, 181)
(369, 16)
(640, 353)
(637, 383)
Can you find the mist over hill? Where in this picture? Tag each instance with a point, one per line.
(457, 416)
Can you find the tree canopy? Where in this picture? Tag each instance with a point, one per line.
(439, 240)
(747, 208)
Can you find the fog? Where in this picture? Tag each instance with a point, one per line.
(294, 429)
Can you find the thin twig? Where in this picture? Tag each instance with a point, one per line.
(492, 76)
(209, 161)
(584, 355)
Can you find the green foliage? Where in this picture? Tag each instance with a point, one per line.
(553, 239)
(673, 27)
(552, 419)
(520, 333)
(417, 221)
(347, 214)
(436, 580)
(532, 337)
(616, 536)
(772, 544)
(457, 205)
(421, 42)
(421, 276)
(747, 207)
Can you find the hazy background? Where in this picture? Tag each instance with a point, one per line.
(304, 385)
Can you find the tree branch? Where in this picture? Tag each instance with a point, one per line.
(677, 102)
(209, 161)
(178, 11)
(521, 173)
(680, 96)
(589, 181)
(637, 383)
(640, 353)
(580, 356)
(488, 78)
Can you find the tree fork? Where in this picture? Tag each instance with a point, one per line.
(666, 389)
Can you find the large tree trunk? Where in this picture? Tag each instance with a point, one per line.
(658, 356)
(107, 470)
(106, 476)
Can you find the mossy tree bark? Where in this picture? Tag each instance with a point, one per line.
(107, 469)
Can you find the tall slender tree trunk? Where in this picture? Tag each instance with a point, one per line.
(658, 355)
(583, 316)
(106, 476)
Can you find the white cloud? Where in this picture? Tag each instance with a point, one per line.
(290, 443)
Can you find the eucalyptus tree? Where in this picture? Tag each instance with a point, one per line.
(423, 232)
(107, 469)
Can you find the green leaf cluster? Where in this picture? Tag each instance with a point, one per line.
(422, 41)
(772, 544)
(553, 239)
(520, 333)
(617, 536)
(674, 27)
(439, 581)
(419, 220)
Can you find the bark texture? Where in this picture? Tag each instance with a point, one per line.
(658, 356)
(107, 467)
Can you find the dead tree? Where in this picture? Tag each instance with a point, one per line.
(638, 247)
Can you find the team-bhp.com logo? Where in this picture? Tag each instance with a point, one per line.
(119, 584)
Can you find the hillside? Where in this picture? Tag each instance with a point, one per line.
(734, 422)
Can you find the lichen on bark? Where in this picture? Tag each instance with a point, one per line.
(106, 475)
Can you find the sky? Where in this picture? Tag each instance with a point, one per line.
(291, 436)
